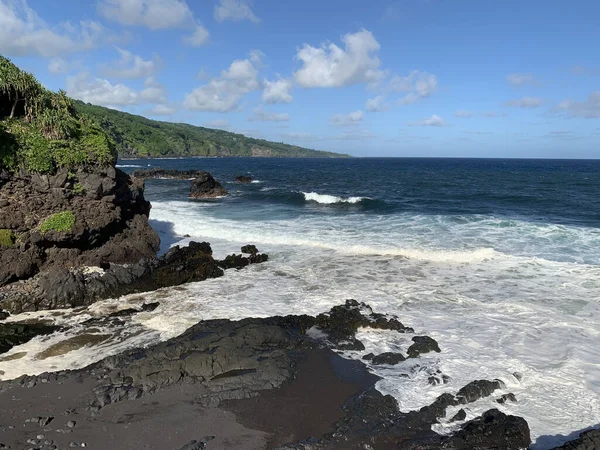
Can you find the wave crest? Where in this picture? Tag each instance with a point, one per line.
(326, 199)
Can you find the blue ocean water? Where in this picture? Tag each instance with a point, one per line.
(498, 260)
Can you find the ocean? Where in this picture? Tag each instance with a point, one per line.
(498, 260)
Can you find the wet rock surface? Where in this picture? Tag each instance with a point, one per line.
(13, 334)
(68, 288)
(243, 179)
(205, 186)
(588, 440)
(218, 361)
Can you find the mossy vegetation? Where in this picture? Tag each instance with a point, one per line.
(62, 221)
(7, 238)
(41, 130)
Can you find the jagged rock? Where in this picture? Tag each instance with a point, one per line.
(460, 415)
(588, 440)
(343, 321)
(250, 249)
(205, 186)
(477, 389)
(389, 358)
(12, 334)
(243, 179)
(422, 344)
(510, 397)
(68, 288)
(110, 221)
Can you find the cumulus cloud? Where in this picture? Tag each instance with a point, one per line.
(525, 102)
(224, 93)
(198, 38)
(521, 79)
(332, 66)
(433, 121)
(587, 109)
(277, 91)
(344, 120)
(131, 66)
(235, 10)
(162, 110)
(99, 91)
(153, 14)
(376, 104)
(23, 33)
(417, 84)
(266, 116)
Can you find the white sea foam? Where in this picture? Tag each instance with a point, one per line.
(127, 165)
(326, 199)
(502, 297)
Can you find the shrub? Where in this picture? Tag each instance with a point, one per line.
(62, 221)
(7, 238)
(78, 189)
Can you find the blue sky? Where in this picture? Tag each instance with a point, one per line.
(380, 78)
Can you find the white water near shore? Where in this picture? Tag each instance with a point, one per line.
(502, 297)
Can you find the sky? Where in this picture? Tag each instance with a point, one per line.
(460, 78)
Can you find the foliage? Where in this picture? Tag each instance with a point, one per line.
(78, 189)
(46, 132)
(7, 238)
(137, 136)
(62, 221)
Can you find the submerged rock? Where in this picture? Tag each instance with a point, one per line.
(243, 179)
(389, 358)
(205, 186)
(13, 334)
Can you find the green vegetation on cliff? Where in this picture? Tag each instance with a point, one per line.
(137, 136)
(7, 238)
(41, 130)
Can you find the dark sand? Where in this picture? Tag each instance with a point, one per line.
(309, 406)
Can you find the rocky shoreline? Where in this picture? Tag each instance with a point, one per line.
(275, 383)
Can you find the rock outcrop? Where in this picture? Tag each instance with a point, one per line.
(243, 179)
(222, 360)
(205, 186)
(70, 219)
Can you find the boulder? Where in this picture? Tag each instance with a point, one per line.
(205, 186)
(388, 358)
(422, 344)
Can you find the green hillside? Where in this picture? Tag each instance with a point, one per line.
(137, 136)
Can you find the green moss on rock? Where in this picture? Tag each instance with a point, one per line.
(62, 221)
(7, 238)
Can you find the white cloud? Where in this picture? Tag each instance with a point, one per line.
(223, 94)
(345, 120)
(418, 84)
(235, 10)
(588, 109)
(162, 110)
(525, 102)
(99, 91)
(198, 38)
(376, 104)
(332, 66)
(521, 79)
(277, 91)
(266, 116)
(433, 121)
(58, 66)
(132, 66)
(463, 114)
(221, 124)
(154, 14)
(23, 33)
